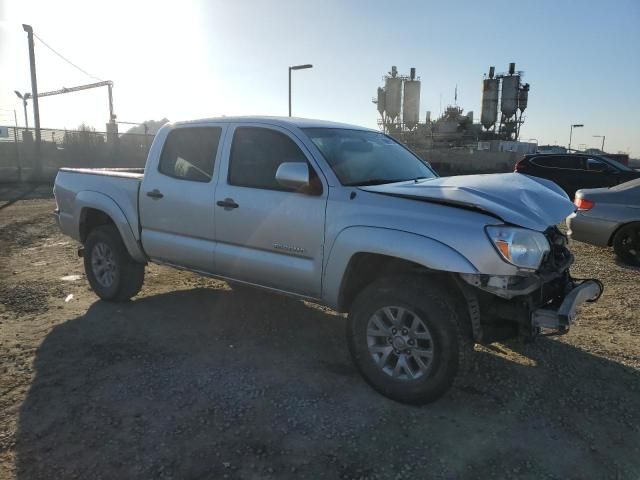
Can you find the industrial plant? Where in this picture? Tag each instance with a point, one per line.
(504, 99)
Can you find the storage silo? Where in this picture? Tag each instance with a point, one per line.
(489, 114)
(509, 98)
(381, 100)
(393, 96)
(411, 103)
(523, 97)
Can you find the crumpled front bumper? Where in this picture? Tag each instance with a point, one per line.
(562, 317)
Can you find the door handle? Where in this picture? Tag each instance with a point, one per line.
(155, 193)
(227, 203)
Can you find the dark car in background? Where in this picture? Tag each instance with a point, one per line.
(573, 171)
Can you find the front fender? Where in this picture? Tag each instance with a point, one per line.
(99, 201)
(419, 249)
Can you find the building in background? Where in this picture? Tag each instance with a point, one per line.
(454, 138)
(504, 99)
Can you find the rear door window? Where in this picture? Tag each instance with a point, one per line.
(190, 153)
(559, 161)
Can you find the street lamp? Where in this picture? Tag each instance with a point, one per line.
(296, 67)
(602, 137)
(24, 104)
(577, 125)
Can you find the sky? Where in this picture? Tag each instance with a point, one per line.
(192, 59)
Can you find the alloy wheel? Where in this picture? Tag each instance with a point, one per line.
(400, 343)
(103, 264)
(631, 244)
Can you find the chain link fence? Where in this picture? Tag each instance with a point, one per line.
(67, 148)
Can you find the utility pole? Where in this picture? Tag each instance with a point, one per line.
(24, 104)
(15, 140)
(289, 91)
(296, 67)
(34, 96)
(576, 125)
(603, 137)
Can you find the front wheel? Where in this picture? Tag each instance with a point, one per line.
(112, 273)
(626, 244)
(408, 339)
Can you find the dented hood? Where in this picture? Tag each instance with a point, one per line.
(529, 202)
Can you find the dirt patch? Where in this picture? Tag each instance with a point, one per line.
(24, 233)
(31, 297)
(194, 379)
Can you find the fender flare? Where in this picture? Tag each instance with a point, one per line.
(99, 201)
(412, 247)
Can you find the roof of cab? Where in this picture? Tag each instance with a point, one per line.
(279, 121)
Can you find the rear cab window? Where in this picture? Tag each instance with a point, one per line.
(190, 153)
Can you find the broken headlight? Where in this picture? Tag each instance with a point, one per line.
(520, 247)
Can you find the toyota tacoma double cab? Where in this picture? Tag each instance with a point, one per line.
(346, 217)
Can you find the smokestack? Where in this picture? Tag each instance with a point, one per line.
(492, 71)
(412, 73)
(512, 68)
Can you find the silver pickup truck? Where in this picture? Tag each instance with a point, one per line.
(346, 217)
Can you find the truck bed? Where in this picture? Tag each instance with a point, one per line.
(75, 187)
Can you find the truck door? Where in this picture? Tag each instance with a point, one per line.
(267, 234)
(177, 198)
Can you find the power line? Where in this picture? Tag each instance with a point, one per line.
(66, 59)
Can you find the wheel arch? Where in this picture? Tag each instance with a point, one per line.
(360, 255)
(93, 209)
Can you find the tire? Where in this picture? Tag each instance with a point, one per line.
(445, 331)
(626, 244)
(112, 273)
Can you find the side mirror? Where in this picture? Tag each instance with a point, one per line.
(294, 175)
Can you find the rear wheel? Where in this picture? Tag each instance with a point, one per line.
(407, 338)
(626, 244)
(112, 273)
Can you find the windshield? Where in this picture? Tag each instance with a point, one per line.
(360, 157)
(618, 165)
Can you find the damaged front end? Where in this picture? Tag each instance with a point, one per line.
(543, 302)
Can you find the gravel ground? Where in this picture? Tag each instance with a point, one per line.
(194, 379)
